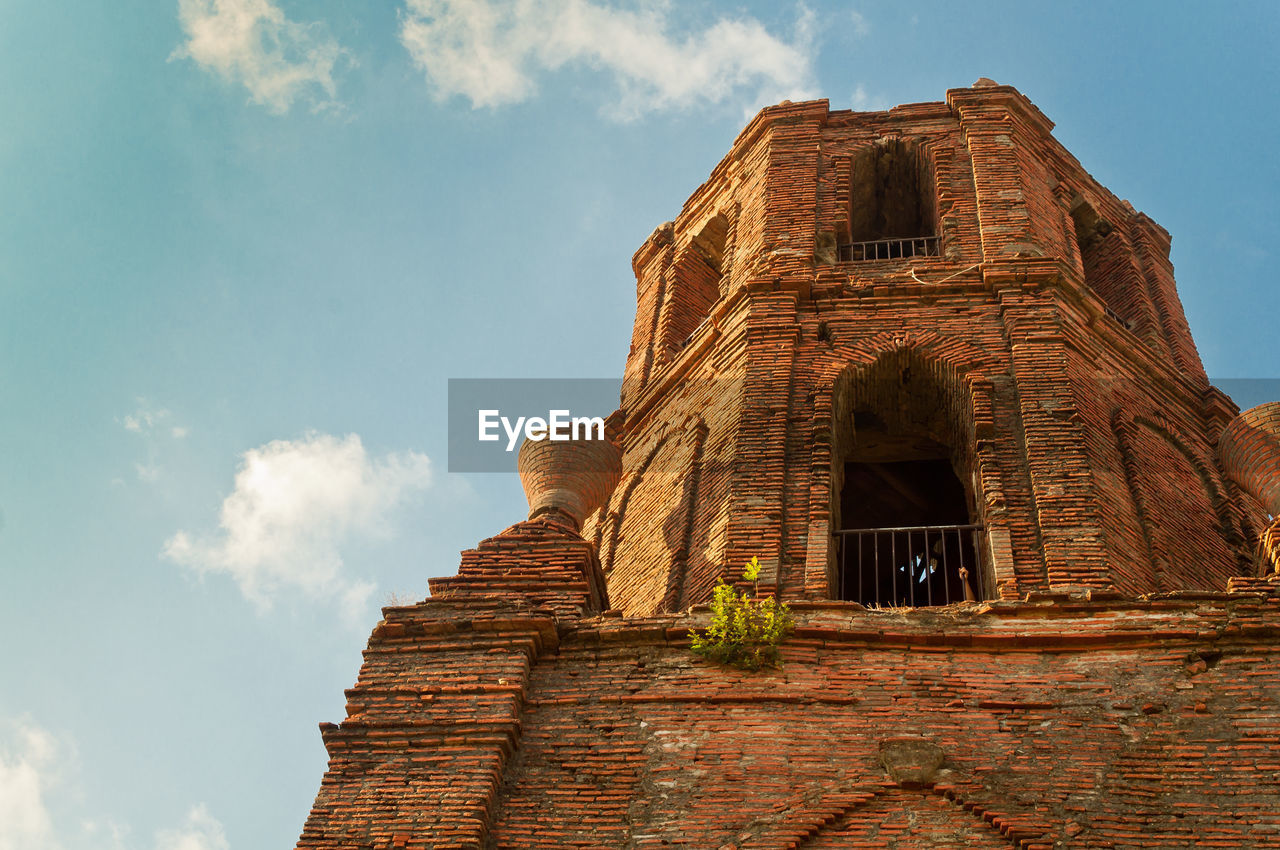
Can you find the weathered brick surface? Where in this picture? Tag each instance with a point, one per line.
(1120, 686)
(1250, 453)
(1096, 464)
(429, 726)
(1080, 723)
(538, 563)
(569, 478)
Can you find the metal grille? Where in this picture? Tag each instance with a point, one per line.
(1119, 319)
(890, 249)
(913, 566)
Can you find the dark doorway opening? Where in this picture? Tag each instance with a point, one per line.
(908, 540)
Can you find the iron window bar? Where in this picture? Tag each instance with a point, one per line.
(1121, 320)
(890, 249)
(912, 565)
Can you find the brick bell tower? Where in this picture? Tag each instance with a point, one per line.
(939, 381)
(929, 318)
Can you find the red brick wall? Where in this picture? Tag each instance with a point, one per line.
(1061, 721)
(1104, 726)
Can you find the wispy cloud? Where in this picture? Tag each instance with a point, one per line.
(492, 52)
(251, 42)
(296, 503)
(104, 834)
(37, 767)
(155, 425)
(29, 757)
(859, 21)
(143, 420)
(199, 831)
(864, 102)
(150, 421)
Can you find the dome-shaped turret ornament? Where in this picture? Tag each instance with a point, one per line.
(568, 478)
(1249, 449)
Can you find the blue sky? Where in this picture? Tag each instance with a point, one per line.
(245, 243)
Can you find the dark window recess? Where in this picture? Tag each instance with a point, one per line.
(1105, 260)
(913, 544)
(698, 275)
(891, 204)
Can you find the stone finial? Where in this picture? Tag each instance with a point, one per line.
(1249, 449)
(568, 477)
(985, 83)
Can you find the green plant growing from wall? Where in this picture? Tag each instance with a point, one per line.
(745, 631)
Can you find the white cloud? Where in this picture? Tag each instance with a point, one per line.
(152, 424)
(295, 504)
(252, 42)
(863, 102)
(860, 25)
(149, 420)
(491, 51)
(200, 831)
(29, 757)
(145, 419)
(36, 767)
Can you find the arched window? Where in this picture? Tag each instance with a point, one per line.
(697, 277)
(905, 527)
(1105, 261)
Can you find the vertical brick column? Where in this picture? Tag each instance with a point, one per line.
(651, 265)
(785, 271)
(790, 191)
(1002, 130)
(1063, 489)
(1152, 244)
(760, 463)
(998, 124)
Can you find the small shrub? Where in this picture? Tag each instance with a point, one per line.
(745, 631)
(397, 599)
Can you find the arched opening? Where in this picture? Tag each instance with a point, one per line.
(1104, 258)
(906, 531)
(698, 275)
(891, 203)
